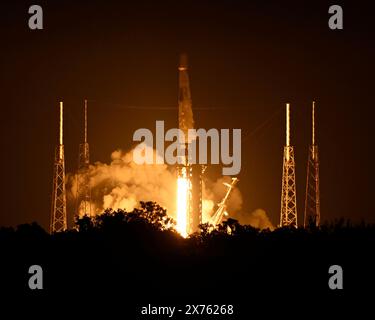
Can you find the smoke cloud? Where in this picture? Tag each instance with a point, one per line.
(122, 184)
(257, 219)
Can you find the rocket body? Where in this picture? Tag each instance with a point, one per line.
(191, 211)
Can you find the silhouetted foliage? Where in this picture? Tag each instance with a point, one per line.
(149, 214)
(141, 253)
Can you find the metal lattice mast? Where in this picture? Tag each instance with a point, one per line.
(288, 215)
(312, 197)
(83, 198)
(58, 212)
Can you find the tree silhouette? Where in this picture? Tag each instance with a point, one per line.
(138, 252)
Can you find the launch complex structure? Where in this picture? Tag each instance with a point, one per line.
(312, 199)
(190, 175)
(58, 211)
(83, 197)
(59, 221)
(288, 214)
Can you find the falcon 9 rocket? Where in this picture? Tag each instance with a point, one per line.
(189, 176)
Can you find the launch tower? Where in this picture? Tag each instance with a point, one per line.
(288, 215)
(83, 198)
(58, 212)
(312, 197)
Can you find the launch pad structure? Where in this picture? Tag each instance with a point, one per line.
(218, 216)
(312, 196)
(288, 214)
(58, 212)
(190, 174)
(83, 197)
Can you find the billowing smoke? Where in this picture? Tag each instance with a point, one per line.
(257, 219)
(122, 184)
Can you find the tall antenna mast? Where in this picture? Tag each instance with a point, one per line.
(288, 214)
(312, 197)
(58, 212)
(313, 123)
(85, 121)
(83, 198)
(61, 123)
(287, 125)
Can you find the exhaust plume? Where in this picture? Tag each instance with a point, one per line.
(122, 184)
(257, 219)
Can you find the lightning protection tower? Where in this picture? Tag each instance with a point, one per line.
(83, 197)
(312, 197)
(58, 212)
(288, 215)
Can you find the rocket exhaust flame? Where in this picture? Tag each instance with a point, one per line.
(182, 204)
(122, 184)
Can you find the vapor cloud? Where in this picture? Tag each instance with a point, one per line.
(122, 184)
(257, 219)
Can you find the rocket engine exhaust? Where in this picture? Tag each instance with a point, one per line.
(189, 180)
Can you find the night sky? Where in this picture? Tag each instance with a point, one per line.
(246, 59)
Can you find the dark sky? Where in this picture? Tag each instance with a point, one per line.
(247, 58)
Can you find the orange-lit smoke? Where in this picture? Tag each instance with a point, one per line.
(122, 184)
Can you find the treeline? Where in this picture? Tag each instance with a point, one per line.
(141, 255)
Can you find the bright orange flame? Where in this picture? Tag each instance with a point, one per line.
(182, 205)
